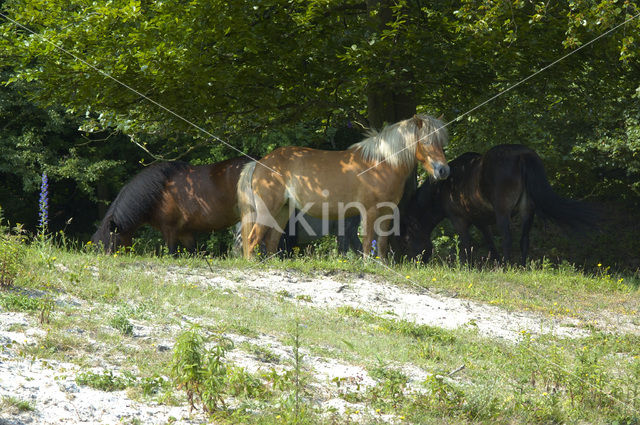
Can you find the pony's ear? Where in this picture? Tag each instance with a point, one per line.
(418, 121)
(441, 117)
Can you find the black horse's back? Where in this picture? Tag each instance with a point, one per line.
(573, 214)
(135, 201)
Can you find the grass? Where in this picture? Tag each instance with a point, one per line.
(105, 381)
(540, 379)
(10, 403)
(14, 301)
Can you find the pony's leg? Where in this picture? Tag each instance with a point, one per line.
(124, 240)
(461, 227)
(369, 233)
(488, 238)
(269, 235)
(188, 241)
(173, 248)
(383, 242)
(272, 238)
(351, 236)
(256, 235)
(354, 241)
(171, 239)
(288, 240)
(342, 240)
(343, 244)
(527, 223)
(246, 227)
(504, 227)
(267, 201)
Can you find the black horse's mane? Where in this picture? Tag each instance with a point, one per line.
(138, 197)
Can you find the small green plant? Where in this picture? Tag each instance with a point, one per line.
(105, 381)
(297, 367)
(241, 384)
(12, 253)
(390, 390)
(121, 322)
(152, 385)
(443, 393)
(13, 403)
(443, 245)
(282, 294)
(14, 301)
(199, 371)
(47, 304)
(264, 354)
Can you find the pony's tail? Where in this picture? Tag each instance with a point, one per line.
(576, 215)
(246, 204)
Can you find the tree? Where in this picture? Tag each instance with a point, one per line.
(245, 67)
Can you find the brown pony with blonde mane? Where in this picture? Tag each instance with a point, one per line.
(366, 179)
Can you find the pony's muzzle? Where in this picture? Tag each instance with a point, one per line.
(440, 171)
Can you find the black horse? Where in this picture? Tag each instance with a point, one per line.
(488, 189)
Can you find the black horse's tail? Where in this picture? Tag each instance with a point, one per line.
(576, 215)
(134, 203)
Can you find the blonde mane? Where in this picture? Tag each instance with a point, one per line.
(396, 143)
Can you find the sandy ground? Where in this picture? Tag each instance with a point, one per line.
(408, 303)
(58, 399)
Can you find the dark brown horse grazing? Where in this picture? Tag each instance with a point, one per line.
(488, 189)
(176, 198)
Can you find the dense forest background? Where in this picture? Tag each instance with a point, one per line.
(84, 81)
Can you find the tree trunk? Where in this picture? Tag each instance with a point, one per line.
(390, 103)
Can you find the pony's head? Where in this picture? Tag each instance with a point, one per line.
(413, 243)
(107, 237)
(431, 139)
(420, 138)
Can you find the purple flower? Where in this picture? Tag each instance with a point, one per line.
(374, 248)
(44, 203)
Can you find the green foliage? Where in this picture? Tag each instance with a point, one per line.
(390, 387)
(264, 354)
(200, 372)
(12, 253)
(293, 73)
(9, 403)
(108, 381)
(208, 379)
(120, 321)
(105, 381)
(152, 385)
(402, 327)
(13, 301)
(47, 305)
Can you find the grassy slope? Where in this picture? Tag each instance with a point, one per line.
(545, 379)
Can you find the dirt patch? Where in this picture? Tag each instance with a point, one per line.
(406, 303)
